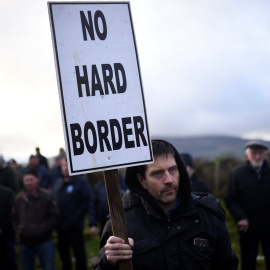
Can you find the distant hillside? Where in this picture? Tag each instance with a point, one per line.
(210, 147)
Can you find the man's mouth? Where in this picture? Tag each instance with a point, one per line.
(171, 190)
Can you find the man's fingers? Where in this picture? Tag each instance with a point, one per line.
(118, 253)
(116, 246)
(116, 249)
(114, 239)
(131, 242)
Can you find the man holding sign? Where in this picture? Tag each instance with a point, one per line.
(170, 228)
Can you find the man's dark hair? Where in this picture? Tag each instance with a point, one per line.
(31, 171)
(159, 148)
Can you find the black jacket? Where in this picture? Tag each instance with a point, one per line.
(169, 241)
(248, 196)
(75, 200)
(7, 178)
(6, 204)
(35, 216)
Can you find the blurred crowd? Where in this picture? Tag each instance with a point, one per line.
(37, 199)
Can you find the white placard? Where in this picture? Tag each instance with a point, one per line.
(100, 87)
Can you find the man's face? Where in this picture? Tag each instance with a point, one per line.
(12, 165)
(162, 181)
(30, 182)
(34, 161)
(256, 156)
(64, 168)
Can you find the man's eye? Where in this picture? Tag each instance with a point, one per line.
(173, 169)
(157, 173)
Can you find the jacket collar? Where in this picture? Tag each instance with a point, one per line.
(132, 200)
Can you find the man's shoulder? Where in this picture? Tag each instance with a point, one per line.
(45, 193)
(130, 200)
(207, 202)
(20, 195)
(240, 169)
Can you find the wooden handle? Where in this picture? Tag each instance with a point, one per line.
(116, 211)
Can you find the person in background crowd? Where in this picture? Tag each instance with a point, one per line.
(248, 199)
(62, 152)
(75, 199)
(13, 165)
(7, 236)
(43, 173)
(56, 169)
(169, 227)
(7, 178)
(102, 207)
(35, 215)
(42, 160)
(197, 183)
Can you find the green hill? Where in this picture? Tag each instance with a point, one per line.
(210, 147)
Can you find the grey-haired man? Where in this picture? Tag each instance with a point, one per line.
(248, 200)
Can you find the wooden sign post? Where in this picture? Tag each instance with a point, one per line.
(118, 222)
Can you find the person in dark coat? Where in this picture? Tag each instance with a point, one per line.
(42, 160)
(43, 173)
(7, 234)
(7, 178)
(35, 216)
(248, 200)
(169, 227)
(17, 172)
(197, 183)
(56, 169)
(75, 199)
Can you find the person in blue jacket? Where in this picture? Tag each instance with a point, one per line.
(75, 200)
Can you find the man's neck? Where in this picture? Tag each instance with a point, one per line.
(66, 178)
(32, 192)
(167, 207)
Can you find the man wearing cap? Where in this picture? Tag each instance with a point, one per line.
(248, 199)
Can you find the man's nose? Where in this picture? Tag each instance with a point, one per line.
(167, 178)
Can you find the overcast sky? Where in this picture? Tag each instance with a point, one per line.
(205, 67)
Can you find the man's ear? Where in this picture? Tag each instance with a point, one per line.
(141, 180)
